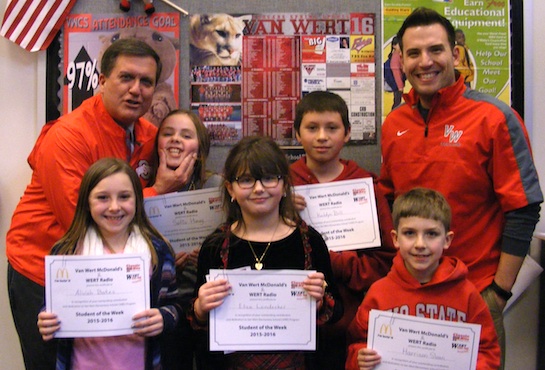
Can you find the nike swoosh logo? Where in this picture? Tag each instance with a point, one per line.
(400, 133)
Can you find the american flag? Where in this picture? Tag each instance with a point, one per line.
(32, 24)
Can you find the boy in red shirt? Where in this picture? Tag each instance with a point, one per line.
(322, 127)
(422, 277)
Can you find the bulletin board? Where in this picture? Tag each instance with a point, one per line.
(365, 152)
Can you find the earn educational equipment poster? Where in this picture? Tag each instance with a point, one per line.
(485, 25)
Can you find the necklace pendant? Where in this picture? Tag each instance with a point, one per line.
(258, 265)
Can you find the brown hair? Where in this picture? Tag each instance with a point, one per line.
(97, 172)
(425, 17)
(321, 101)
(199, 172)
(424, 203)
(130, 47)
(258, 156)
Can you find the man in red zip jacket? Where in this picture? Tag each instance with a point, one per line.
(102, 126)
(473, 149)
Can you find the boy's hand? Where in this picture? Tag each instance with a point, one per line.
(148, 323)
(48, 324)
(368, 358)
(299, 202)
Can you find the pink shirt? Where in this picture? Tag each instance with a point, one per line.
(122, 352)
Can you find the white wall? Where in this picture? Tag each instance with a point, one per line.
(521, 320)
(21, 78)
(18, 130)
(18, 89)
(535, 76)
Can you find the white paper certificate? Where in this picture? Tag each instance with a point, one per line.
(96, 296)
(266, 310)
(186, 218)
(409, 342)
(344, 212)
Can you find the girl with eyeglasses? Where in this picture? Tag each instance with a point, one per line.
(263, 231)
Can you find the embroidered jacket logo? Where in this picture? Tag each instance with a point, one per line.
(452, 134)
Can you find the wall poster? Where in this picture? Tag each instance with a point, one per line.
(86, 36)
(483, 29)
(248, 72)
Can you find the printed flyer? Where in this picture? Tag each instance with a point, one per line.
(249, 80)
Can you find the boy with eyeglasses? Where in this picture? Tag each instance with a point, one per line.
(322, 127)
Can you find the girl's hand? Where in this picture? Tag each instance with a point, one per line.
(315, 285)
(181, 260)
(211, 295)
(299, 202)
(48, 324)
(168, 180)
(148, 323)
(193, 257)
(368, 358)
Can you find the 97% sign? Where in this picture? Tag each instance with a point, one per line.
(76, 71)
(81, 78)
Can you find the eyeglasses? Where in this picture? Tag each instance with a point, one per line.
(267, 181)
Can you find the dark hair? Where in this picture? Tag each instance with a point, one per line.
(130, 47)
(395, 41)
(258, 156)
(321, 101)
(424, 17)
(199, 172)
(459, 31)
(97, 172)
(424, 203)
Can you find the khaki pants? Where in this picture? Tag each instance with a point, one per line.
(497, 315)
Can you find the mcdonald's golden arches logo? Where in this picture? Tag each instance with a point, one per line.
(62, 273)
(154, 211)
(386, 329)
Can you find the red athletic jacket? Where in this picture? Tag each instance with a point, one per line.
(63, 152)
(475, 151)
